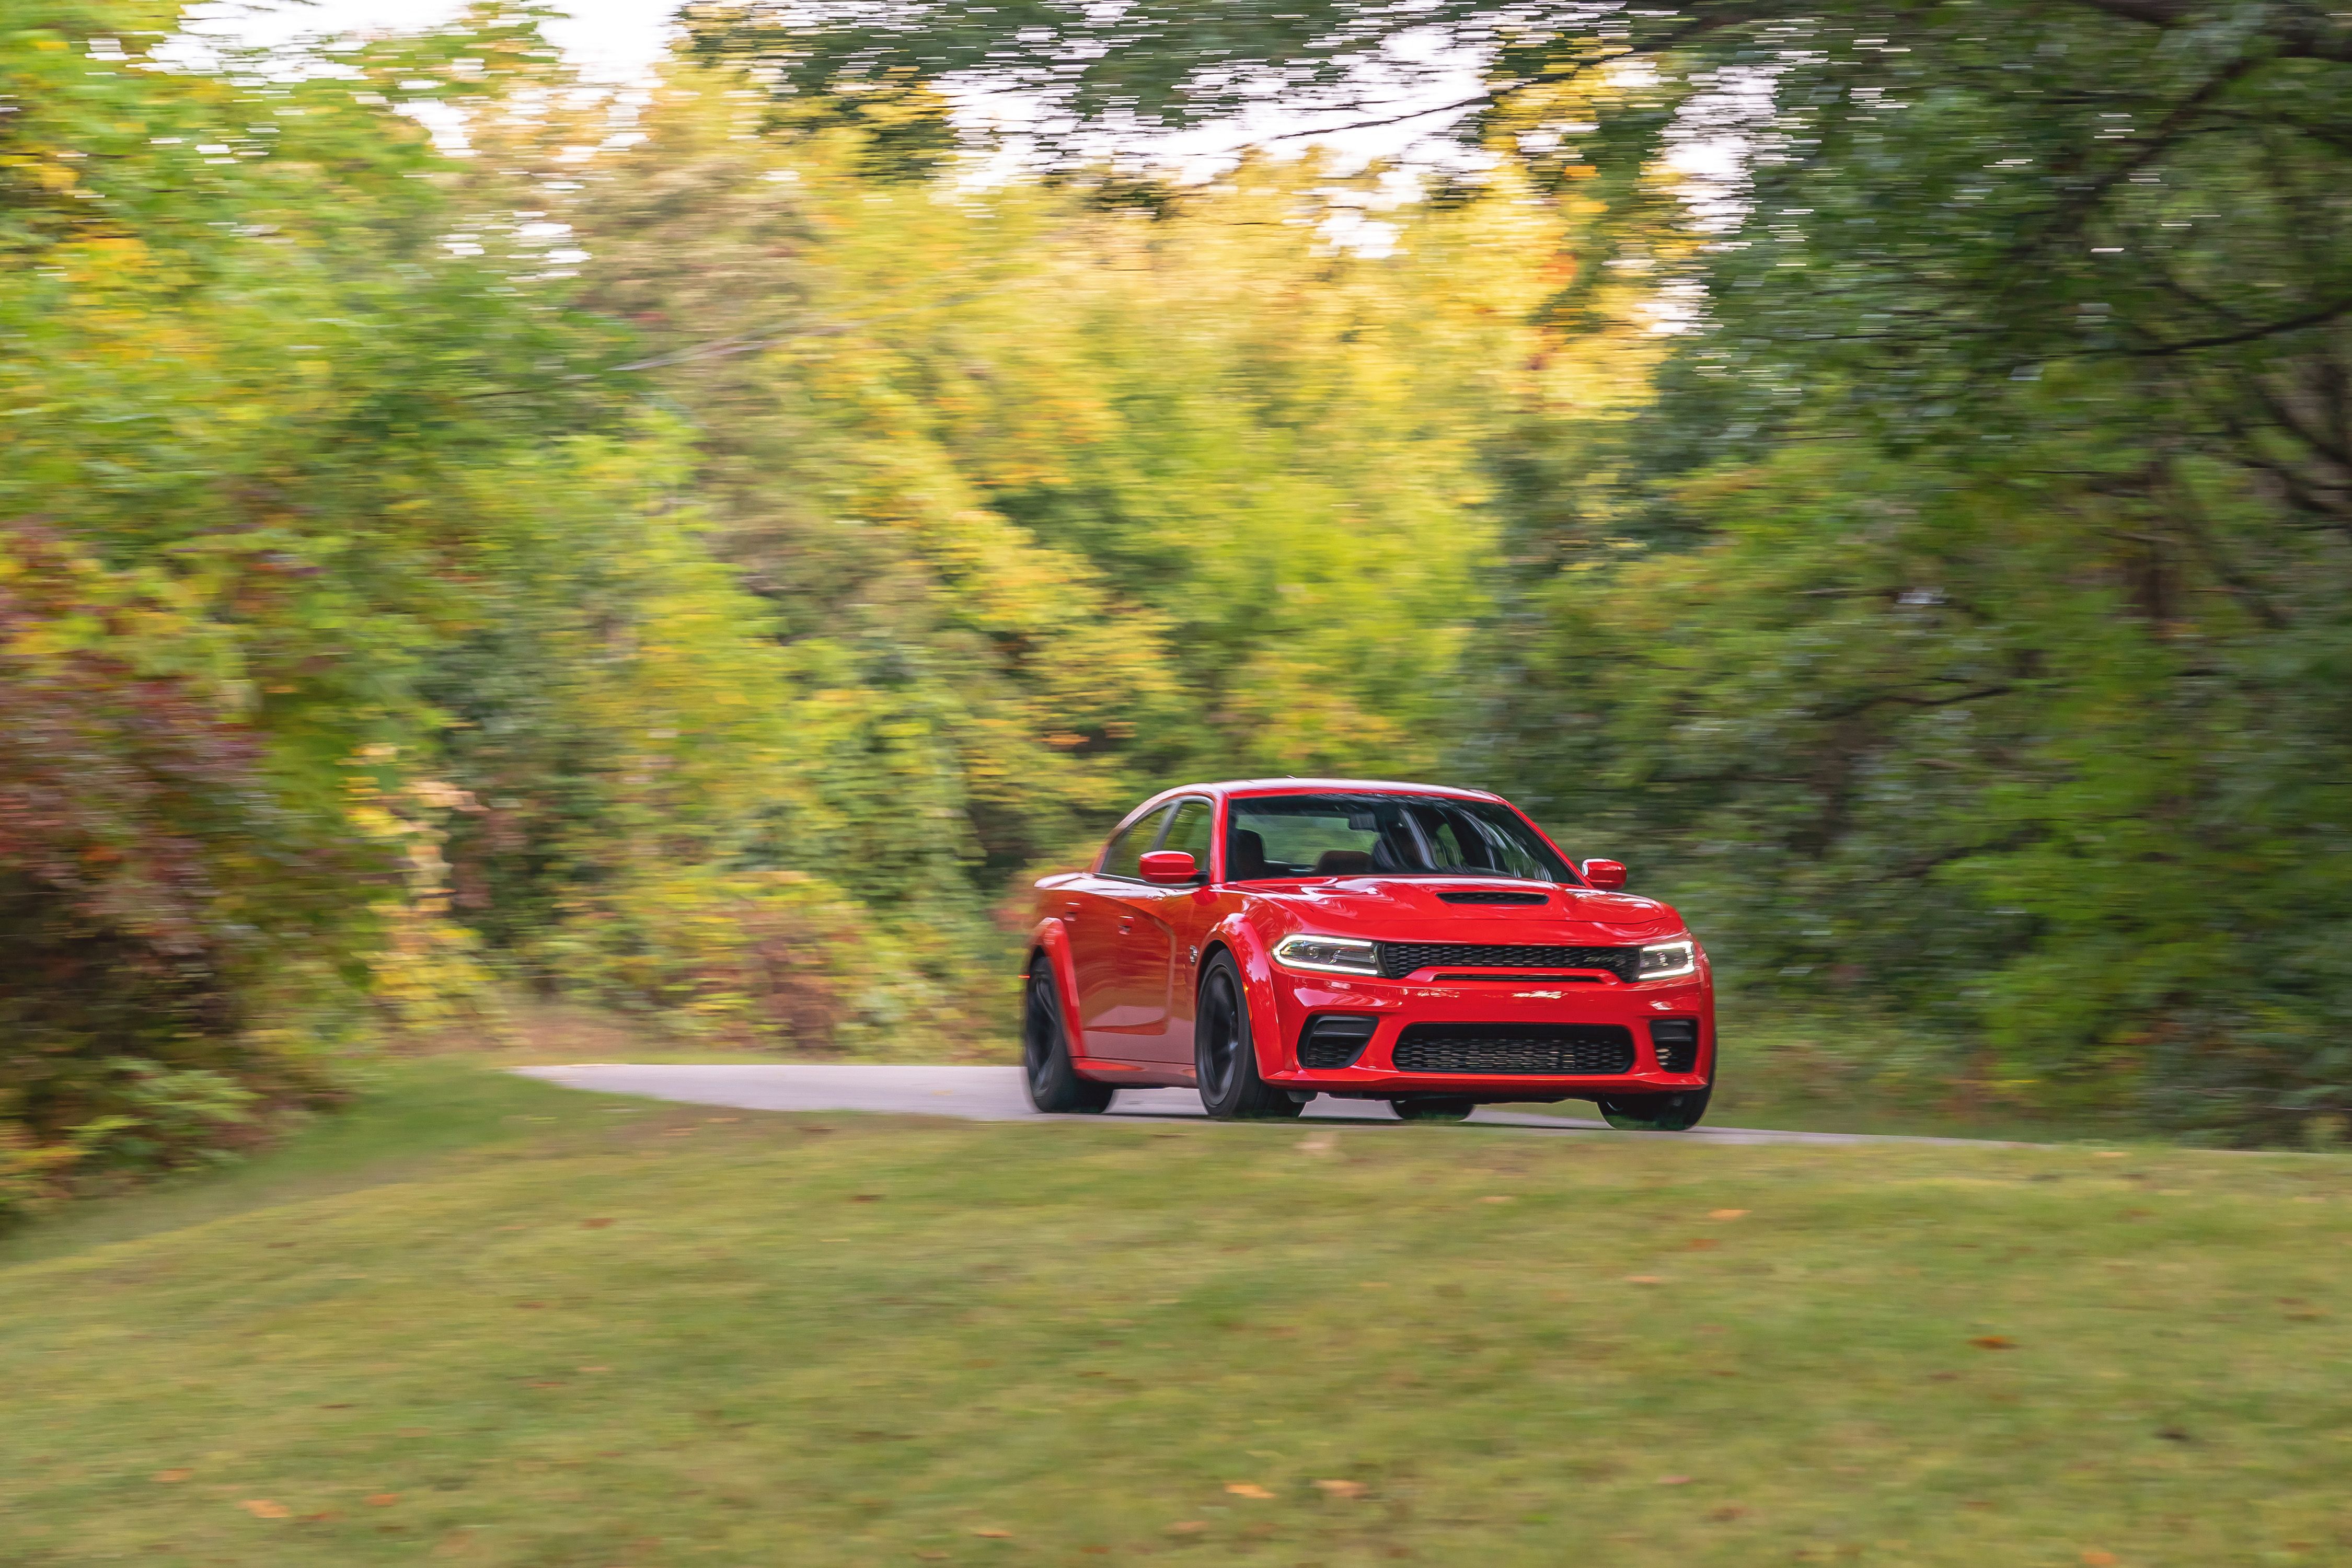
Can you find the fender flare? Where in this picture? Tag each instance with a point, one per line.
(1051, 942)
(1238, 937)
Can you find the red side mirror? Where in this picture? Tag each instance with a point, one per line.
(1606, 875)
(1169, 867)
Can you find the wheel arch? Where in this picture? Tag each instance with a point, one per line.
(1234, 937)
(1052, 943)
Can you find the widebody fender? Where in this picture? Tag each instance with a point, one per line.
(1239, 937)
(1050, 940)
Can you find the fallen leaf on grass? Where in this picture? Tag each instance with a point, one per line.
(1993, 1342)
(595, 1369)
(1188, 1527)
(262, 1507)
(595, 1224)
(1497, 1198)
(676, 1131)
(722, 1118)
(1645, 1279)
(866, 1198)
(384, 1500)
(2097, 1558)
(324, 1516)
(992, 1533)
(1248, 1490)
(1342, 1489)
(170, 1476)
(1727, 1513)
(1673, 1481)
(1318, 1144)
(1726, 1213)
(1701, 1244)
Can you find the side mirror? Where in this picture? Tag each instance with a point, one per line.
(1170, 867)
(1606, 875)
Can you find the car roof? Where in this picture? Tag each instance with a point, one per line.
(1321, 786)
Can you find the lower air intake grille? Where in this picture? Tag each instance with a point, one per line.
(1676, 1042)
(1399, 958)
(1514, 1049)
(1335, 1039)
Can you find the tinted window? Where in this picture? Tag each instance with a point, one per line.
(1189, 832)
(1382, 834)
(1124, 856)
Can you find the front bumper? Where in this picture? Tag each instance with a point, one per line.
(1397, 1004)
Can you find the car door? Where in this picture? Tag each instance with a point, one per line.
(1110, 945)
(1183, 914)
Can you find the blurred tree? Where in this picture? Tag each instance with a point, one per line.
(1965, 622)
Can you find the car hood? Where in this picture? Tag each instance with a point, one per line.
(1409, 908)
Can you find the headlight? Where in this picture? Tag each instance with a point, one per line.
(1332, 954)
(1665, 960)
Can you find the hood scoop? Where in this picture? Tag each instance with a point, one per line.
(1493, 895)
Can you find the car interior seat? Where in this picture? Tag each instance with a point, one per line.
(1246, 856)
(1343, 863)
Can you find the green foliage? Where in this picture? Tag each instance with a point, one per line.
(1949, 611)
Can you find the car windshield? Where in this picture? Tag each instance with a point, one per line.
(1377, 835)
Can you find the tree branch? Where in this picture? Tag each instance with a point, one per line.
(2302, 34)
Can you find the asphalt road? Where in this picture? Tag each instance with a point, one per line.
(994, 1094)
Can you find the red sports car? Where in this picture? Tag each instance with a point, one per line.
(1278, 938)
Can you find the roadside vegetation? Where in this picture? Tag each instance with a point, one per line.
(696, 558)
(483, 1319)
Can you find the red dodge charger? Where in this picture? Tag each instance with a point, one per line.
(1278, 938)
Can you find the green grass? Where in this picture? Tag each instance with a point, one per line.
(551, 1328)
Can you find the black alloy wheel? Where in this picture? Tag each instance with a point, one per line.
(1224, 1059)
(1675, 1112)
(1432, 1108)
(1047, 1072)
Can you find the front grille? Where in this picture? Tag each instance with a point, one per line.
(1399, 958)
(1514, 1049)
(1494, 896)
(1335, 1039)
(1676, 1042)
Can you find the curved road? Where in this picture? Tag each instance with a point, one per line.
(994, 1094)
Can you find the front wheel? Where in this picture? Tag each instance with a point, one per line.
(1675, 1112)
(1047, 1072)
(1225, 1058)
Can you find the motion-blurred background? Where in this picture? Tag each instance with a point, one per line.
(695, 544)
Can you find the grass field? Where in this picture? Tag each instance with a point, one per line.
(485, 1321)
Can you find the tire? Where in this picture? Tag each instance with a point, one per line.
(1047, 1072)
(1432, 1108)
(1675, 1112)
(1224, 1052)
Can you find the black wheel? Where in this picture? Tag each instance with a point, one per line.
(1432, 1108)
(1675, 1112)
(1224, 1058)
(1053, 1084)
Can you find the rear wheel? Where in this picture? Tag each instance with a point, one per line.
(1675, 1112)
(1051, 1078)
(1432, 1108)
(1225, 1061)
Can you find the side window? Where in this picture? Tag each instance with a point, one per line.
(1188, 831)
(1124, 856)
